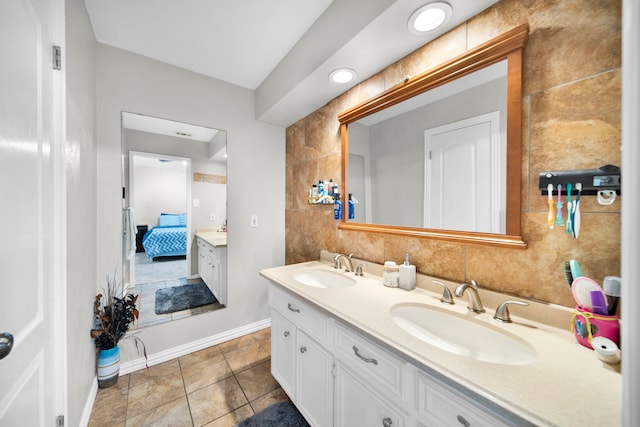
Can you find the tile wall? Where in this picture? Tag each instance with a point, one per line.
(571, 120)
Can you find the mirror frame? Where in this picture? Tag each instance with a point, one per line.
(507, 46)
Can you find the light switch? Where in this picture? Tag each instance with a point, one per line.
(212, 217)
(254, 220)
(196, 203)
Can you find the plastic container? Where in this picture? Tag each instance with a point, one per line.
(586, 325)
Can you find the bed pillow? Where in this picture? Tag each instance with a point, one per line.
(172, 219)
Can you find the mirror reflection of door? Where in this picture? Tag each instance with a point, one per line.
(174, 180)
(463, 167)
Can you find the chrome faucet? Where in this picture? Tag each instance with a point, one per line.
(337, 262)
(446, 294)
(502, 312)
(474, 303)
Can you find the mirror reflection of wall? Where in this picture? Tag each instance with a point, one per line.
(397, 164)
(174, 175)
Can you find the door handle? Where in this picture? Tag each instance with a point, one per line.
(6, 344)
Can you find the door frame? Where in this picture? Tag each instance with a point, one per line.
(131, 155)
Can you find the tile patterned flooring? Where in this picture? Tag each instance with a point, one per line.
(215, 387)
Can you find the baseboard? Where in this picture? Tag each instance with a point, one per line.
(172, 353)
(88, 406)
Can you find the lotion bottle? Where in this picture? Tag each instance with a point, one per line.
(407, 277)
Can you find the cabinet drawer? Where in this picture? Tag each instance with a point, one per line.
(312, 320)
(368, 359)
(446, 408)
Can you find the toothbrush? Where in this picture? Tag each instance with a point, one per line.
(559, 219)
(569, 204)
(552, 213)
(575, 212)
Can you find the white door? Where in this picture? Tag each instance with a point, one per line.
(464, 163)
(32, 224)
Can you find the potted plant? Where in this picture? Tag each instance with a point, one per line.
(114, 311)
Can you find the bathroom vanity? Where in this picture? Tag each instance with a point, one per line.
(347, 352)
(212, 262)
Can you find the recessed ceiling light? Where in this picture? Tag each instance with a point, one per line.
(342, 75)
(430, 17)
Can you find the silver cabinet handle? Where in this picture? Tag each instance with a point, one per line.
(286, 333)
(365, 359)
(387, 422)
(295, 310)
(462, 420)
(6, 344)
(303, 349)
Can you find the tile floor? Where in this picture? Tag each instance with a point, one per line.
(215, 387)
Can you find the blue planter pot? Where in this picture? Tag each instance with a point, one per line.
(108, 367)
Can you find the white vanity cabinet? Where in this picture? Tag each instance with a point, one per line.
(337, 376)
(300, 361)
(212, 268)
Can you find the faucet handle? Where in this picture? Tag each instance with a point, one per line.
(336, 261)
(502, 312)
(359, 270)
(446, 293)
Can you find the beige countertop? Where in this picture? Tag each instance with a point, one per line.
(567, 385)
(213, 237)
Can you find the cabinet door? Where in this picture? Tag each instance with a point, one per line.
(212, 273)
(314, 381)
(358, 405)
(283, 352)
(203, 268)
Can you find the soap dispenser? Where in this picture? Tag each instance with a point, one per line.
(407, 279)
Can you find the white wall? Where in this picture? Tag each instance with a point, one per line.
(256, 154)
(81, 207)
(157, 190)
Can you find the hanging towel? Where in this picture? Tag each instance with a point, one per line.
(129, 233)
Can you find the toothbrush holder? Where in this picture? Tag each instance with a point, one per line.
(586, 325)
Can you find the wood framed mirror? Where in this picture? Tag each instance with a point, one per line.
(501, 53)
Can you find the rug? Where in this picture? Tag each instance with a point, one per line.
(183, 297)
(283, 414)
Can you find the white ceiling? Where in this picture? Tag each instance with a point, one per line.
(282, 49)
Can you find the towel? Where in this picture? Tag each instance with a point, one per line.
(129, 233)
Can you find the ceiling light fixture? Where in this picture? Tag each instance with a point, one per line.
(430, 17)
(342, 75)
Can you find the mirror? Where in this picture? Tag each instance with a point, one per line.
(174, 185)
(439, 156)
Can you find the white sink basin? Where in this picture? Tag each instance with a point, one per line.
(324, 279)
(457, 334)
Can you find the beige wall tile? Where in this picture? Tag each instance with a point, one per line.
(571, 120)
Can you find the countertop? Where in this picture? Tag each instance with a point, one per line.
(213, 237)
(566, 385)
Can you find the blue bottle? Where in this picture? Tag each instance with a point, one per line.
(352, 207)
(337, 206)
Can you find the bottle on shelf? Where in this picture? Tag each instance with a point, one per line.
(337, 206)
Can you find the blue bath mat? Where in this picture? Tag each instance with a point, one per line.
(183, 297)
(283, 414)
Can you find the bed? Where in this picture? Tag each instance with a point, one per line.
(168, 238)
